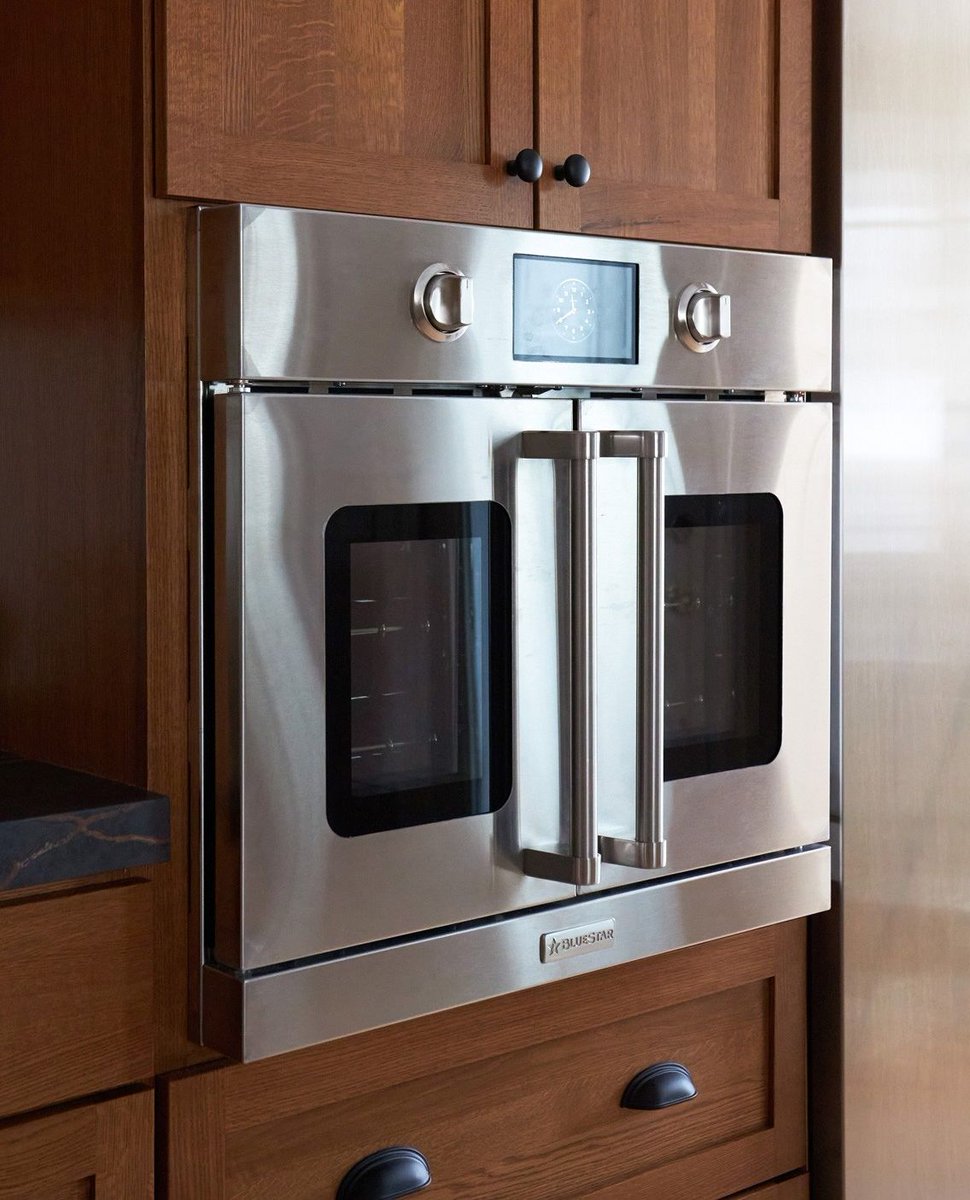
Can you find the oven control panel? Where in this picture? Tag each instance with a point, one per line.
(290, 294)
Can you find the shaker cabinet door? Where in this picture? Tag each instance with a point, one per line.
(375, 106)
(100, 1151)
(694, 115)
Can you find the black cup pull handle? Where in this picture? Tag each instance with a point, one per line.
(659, 1086)
(385, 1175)
(575, 171)
(527, 164)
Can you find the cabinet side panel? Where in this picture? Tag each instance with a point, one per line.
(72, 508)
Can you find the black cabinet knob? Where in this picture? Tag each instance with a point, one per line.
(527, 164)
(386, 1175)
(575, 171)
(659, 1086)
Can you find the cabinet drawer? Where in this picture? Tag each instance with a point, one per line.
(521, 1095)
(102, 1150)
(75, 994)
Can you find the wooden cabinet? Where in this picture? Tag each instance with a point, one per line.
(695, 116)
(375, 106)
(92, 1152)
(520, 1096)
(75, 994)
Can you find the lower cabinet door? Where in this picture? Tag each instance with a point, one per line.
(101, 1151)
(523, 1095)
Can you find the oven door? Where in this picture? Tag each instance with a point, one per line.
(385, 728)
(744, 672)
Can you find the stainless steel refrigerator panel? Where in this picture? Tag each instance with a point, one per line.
(781, 449)
(304, 890)
(285, 1010)
(906, 522)
(285, 296)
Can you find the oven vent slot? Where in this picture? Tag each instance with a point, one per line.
(345, 389)
(442, 391)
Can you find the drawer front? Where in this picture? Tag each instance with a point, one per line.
(521, 1096)
(93, 1150)
(75, 994)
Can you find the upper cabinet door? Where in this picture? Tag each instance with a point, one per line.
(404, 107)
(694, 115)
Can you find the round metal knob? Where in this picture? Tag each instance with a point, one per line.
(527, 164)
(575, 171)
(442, 302)
(702, 317)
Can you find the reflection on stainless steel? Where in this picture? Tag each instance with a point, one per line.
(581, 863)
(785, 450)
(293, 875)
(296, 1006)
(294, 303)
(906, 449)
(648, 848)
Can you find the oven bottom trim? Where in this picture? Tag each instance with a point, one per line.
(257, 1017)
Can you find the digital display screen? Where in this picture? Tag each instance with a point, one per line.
(573, 310)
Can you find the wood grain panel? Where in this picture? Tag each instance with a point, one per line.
(520, 1095)
(75, 994)
(93, 1152)
(72, 622)
(695, 116)
(169, 385)
(746, 101)
(408, 109)
(796, 1188)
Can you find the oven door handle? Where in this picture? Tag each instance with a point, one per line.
(580, 864)
(648, 849)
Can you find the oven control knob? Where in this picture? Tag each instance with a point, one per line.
(443, 302)
(703, 317)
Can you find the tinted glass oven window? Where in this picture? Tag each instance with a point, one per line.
(419, 704)
(722, 664)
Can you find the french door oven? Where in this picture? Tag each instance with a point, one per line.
(514, 599)
(443, 660)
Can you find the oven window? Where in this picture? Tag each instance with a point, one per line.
(419, 704)
(722, 629)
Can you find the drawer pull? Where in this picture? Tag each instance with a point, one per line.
(659, 1086)
(386, 1175)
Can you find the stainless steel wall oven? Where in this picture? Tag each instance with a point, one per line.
(515, 561)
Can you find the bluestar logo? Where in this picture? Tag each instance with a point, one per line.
(565, 943)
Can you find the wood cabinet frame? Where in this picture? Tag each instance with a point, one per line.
(635, 209)
(198, 156)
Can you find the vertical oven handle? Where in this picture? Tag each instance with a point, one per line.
(648, 850)
(581, 864)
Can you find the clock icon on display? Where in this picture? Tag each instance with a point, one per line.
(574, 310)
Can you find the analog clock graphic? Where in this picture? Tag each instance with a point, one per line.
(573, 310)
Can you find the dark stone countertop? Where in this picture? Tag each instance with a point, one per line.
(57, 824)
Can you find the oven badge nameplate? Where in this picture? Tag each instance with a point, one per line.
(581, 939)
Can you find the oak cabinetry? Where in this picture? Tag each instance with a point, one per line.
(520, 1096)
(75, 994)
(696, 117)
(795, 1188)
(376, 106)
(92, 1152)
